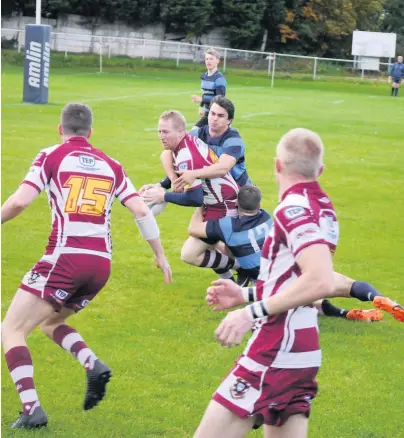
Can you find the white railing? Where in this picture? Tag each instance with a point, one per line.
(273, 64)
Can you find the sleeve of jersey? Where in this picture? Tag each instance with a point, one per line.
(221, 86)
(234, 147)
(37, 175)
(214, 231)
(299, 227)
(126, 189)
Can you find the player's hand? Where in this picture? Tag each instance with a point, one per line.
(146, 187)
(195, 98)
(389, 80)
(163, 264)
(185, 177)
(234, 326)
(202, 111)
(224, 294)
(154, 195)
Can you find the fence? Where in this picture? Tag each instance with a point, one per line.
(176, 54)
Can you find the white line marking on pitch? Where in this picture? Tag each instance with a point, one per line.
(336, 102)
(248, 116)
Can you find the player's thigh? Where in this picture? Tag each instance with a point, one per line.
(26, 312)
(219, 422)
(193, 247)
(295, 427)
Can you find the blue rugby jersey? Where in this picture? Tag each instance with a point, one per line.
(244, 236)
(212, 86)
(230, 143)
(397, 70)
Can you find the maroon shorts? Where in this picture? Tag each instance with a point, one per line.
(271, 394)
(67, 280)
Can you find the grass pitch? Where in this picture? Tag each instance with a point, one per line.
(159, 340)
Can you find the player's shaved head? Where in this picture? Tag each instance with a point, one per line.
(400, 59)
(178, 120)
(301, 153)
(76, 119)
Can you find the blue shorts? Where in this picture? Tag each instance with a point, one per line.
(396, 80)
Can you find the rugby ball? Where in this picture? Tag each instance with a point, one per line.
(156, 209)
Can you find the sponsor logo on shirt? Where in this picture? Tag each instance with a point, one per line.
(293, 212)
(183, 166)
(87, 160)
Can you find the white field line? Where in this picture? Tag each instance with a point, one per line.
(336, 102)
(248, 116)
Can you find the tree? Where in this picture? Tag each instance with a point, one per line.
(192, 17)
(241, 21)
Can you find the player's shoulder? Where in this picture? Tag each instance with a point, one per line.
(292, 207)
(232, 135)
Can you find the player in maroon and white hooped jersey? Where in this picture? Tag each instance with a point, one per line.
(217, 196)
(273, 381)
(81, 183)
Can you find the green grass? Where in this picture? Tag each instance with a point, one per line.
(159, 340)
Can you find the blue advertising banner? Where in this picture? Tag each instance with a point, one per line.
(37, 63)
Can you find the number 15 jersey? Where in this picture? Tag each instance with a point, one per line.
(81, 183)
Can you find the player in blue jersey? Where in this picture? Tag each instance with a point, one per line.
(396, 75)
(213, 84)
(243, 235)
(226, 143)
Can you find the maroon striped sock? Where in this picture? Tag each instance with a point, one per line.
(20, 365)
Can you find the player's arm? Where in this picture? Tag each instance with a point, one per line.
(220, 168)
(316, 281)
(221, 85)
(189, 198)
(150, 232)
(167, 162)
(18, 202)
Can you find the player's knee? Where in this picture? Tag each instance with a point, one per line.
(186, 255)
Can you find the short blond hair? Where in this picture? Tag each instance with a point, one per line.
(213, 52)
(179, 122)
(301, 151)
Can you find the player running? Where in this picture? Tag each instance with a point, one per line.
(81, 183)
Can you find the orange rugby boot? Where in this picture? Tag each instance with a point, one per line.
(365, 315)
(390, 306)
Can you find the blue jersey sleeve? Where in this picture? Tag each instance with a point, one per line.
(221, 85)
(234, 146)
(190, 198)
(194, 132)
(214, 231)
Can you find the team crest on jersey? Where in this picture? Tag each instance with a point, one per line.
(183, 166)
(87, 160)
(293, 212)
(33, 277)
(240, 388)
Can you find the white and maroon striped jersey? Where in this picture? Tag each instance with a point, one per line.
(219, 193)
(81, 183)
(304, 217)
